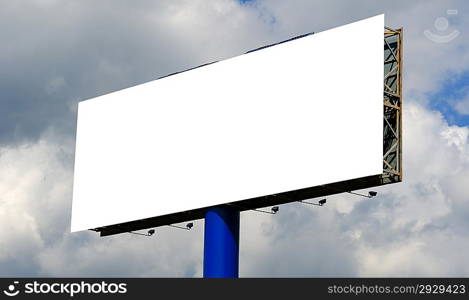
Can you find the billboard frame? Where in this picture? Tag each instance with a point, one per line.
(392, 152)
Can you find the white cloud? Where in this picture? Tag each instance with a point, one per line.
(392, 234)
(410, 229)
(34, 182)
(424, 60)
(419, 216)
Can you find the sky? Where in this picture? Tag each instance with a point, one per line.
(55, 54)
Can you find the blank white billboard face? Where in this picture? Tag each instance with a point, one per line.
(299, 114)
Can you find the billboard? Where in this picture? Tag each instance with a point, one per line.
(294, 120)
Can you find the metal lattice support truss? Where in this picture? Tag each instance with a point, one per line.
(392, 146)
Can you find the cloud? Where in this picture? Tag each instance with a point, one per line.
(393, 234)
(35, 181)
(420, 218)
(54, 54)
(462, 106)
(408, 230)
(35, 184)
(57, 54)
(425, 60)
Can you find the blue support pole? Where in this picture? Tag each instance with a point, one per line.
(221, 243)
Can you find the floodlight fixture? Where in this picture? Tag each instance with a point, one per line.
(188, 226)
(371, 194)
(149, 233)
(272, 211)
(320, 202)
